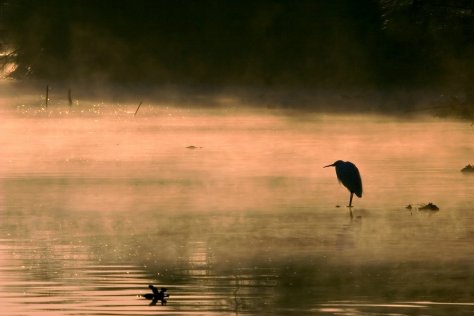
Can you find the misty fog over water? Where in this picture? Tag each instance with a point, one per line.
(97, 203)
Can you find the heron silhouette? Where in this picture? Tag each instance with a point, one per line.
(349, 175)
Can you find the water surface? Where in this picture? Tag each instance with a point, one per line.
(95, 204)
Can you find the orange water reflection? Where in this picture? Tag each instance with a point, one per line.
(95, 205)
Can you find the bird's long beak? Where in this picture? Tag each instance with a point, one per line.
(331, 165)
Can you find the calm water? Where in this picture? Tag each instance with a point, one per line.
(96, 204)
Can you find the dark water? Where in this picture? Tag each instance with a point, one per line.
(96, 204)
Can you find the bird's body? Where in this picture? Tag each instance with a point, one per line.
(348, 174)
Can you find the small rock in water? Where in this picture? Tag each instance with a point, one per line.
(468, 169)
(429, 207)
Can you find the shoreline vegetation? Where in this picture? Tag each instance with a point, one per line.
(395, 102)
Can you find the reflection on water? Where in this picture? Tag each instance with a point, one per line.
(94, 206)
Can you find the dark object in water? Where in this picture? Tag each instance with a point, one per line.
(429, 207)
(468, 169)
(193, 147)
(157, 295)
(409, 207)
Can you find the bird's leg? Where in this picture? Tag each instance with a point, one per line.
(350, 205)
(350, 200)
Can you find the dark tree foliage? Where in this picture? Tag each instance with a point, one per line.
(310, 43)
(435, 38)
(438, 34)
(237, 41)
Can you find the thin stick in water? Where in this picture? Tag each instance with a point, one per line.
(138, 108)
(47, 95)
(69, 97)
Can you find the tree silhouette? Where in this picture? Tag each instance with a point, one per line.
(382, 44)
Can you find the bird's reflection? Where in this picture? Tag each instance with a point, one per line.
(156, 296)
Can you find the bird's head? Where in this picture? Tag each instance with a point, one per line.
(334, 164)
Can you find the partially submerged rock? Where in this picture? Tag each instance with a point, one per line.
(468, 169)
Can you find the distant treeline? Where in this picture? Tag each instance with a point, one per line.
(305, 43)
